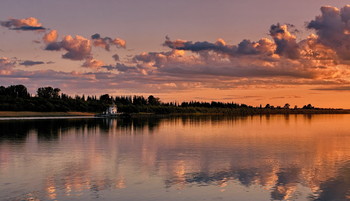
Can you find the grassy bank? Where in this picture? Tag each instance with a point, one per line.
(42, 114)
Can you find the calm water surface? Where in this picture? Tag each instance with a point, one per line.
(295, 157)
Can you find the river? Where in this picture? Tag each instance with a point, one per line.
(276, 157)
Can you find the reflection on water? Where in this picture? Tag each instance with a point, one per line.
(293, 157)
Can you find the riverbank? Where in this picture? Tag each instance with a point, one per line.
(186, 111)
(43, 114)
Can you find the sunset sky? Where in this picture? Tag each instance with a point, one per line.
(253, 52)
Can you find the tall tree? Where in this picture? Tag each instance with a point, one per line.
(153, 100)
(17, 91)
(48, 92)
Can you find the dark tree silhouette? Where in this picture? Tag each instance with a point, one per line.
(105, 98)
(286, 106)
(17, 98)
(153, 101)
(48, 92)
(16, 91)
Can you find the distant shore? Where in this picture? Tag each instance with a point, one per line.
(233, 112)
(42, 114)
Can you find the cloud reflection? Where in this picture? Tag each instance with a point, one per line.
(98, 155)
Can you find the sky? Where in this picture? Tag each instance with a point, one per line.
(253, 52)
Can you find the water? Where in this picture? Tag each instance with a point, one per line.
(277, 157)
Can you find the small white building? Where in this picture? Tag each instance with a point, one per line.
(111, 110)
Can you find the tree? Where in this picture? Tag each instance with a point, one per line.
(64, 96)
(153, 101)
(56, 93)
(286, 106)
(139, 100)
(308, 106)
(105, 98)
(17, 91)
(2, 91)
(48, 92)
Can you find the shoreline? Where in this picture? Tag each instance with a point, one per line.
(6, 114)
(237, 112)
(43, 114)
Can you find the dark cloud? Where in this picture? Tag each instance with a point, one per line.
(109, 67)
(246, 47)
(286, 44)
(106, 42)
(53, 46)
(199, 46)
(28, 24)
(96, 36)
(31, 63)
(333, 28)
(116, 57)
(121, 68)
(29, 28)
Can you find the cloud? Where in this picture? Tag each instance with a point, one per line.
(106, 42)
(92, 63)
(220, 46)
(333, 29)
(121, 68)
(50, 37)
(54, 46)
(31, 63)
(116, 57)
(246, 47)
(335, 88)
(312, 58)
(286, 44)
(28, 24)
(78, 47)
(319, 60)
(6, 65)
(176, 62)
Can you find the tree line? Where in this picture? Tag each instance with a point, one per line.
(49, 99)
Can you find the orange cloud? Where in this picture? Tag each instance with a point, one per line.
(276, 61)
(50, 37)
(93, 63)
(27, 24)
(78, 47)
